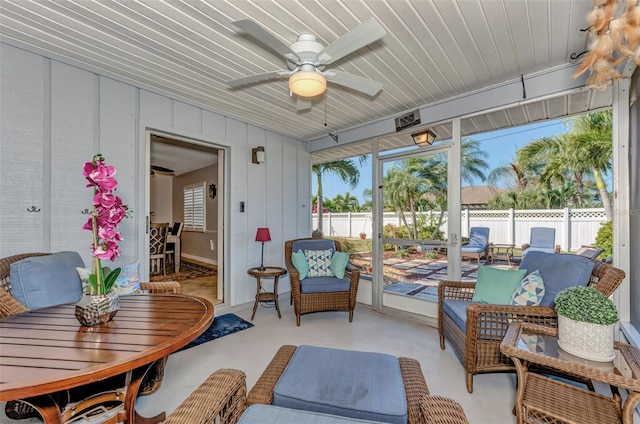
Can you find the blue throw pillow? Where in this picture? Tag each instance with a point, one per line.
(339, 262)
(42, 281)
(299, 261)
(496, 286)
(559, 271)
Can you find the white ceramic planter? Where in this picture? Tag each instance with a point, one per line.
(586, 340)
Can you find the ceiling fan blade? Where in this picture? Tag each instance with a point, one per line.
(303, 104)
(161, 169)
(364, 85)
(364, 34)
(265, 38)
(256, 78)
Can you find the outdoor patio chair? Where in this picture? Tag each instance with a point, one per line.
(10, 306)
(320, 293)
(475, 330)
(542, 239)
(591, 252)
(478, 245)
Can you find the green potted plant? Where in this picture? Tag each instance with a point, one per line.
(586, 323)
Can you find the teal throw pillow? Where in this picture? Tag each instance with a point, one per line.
(319, 262)
(299, 261)
(496, 286)
(530, 291)
(339, 262)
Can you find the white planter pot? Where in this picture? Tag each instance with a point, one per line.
(586, 340)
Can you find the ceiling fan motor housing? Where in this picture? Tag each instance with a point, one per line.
(307, 48)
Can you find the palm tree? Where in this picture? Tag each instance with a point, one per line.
(346, 169)
(585, 151)
(345, 203)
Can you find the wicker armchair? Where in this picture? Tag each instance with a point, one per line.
(304, 303)
(10, 306)
(486, 325)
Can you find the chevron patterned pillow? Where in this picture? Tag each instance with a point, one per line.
(319, 262)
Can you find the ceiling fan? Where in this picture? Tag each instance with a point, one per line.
(307, 59)
(161, 170)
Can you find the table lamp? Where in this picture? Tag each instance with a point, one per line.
(262, 235)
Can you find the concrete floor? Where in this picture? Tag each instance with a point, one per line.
(251, 350)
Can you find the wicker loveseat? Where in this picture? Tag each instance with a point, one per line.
(478, 345)
(317, 298)
(10, 306)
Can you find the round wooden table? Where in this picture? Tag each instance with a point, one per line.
(263, 296)
(46, 351)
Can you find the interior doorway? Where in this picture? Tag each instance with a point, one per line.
(186, 190)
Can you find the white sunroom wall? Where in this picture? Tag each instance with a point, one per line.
(69, 113)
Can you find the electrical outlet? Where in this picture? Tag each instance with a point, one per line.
(211, 244)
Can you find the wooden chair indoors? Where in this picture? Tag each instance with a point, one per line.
(10, 306)
(175, 233)
(158, 248)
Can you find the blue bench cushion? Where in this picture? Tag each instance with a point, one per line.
(269, 414)
(558, 271)
(324, 285)
(363, 385)
(42, 281)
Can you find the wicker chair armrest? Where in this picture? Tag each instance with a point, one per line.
(460, 290)
(525, 246)
(262, 391)
(490, 322)
(161, 287)
(352, 275)
(442, 410)
(222, 396)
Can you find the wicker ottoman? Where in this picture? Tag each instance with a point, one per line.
(339, 382)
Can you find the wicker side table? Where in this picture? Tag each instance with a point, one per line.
(541, 399)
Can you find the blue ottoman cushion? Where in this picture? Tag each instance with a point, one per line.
(42, 281)
(363, 385)
(269, 414)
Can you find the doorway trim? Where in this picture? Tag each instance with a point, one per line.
(143, 204)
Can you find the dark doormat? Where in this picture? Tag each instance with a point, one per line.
(223, 325)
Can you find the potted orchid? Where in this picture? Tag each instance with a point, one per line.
(106, 213)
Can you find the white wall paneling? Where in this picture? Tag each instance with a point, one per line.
(22, 146)
(55, 117)
(73, 102)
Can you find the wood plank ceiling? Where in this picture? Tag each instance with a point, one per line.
(433, 50)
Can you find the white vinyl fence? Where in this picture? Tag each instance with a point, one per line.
(574, 227)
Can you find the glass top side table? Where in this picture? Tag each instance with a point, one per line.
(540, 398)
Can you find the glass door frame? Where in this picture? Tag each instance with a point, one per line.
(450, 148)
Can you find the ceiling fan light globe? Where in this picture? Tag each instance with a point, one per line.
(307, 84)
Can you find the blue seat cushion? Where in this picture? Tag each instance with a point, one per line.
(269, 414)
(472, 249)
(558, 271)
(456, 309)
(43, 281)
(363, 385)
(324, 285)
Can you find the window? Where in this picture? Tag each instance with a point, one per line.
(194, 205)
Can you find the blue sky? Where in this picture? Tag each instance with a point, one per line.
(500, 147)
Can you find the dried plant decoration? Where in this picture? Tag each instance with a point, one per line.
(614, 36)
